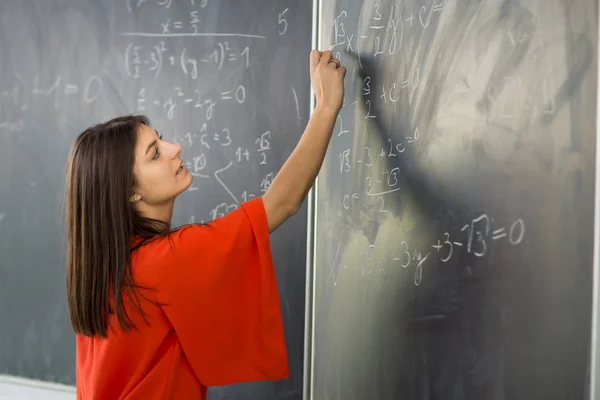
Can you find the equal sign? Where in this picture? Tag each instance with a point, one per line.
(226, 95)
(178, 25)
(438, 7)
(71, 89)
(498, 234)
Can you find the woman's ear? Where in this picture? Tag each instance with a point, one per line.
(135, 197)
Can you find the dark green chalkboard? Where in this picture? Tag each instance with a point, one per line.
(228, 80)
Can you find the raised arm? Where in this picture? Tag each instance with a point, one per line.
(297, 175)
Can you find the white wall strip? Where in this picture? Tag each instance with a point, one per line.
(595, 356)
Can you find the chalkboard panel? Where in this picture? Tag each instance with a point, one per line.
(226, 79)
(455, 209)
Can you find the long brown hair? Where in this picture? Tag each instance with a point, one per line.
(101, 224)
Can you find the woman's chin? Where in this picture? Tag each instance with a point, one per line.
(186, 181)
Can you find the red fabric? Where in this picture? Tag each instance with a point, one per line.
(220, 322)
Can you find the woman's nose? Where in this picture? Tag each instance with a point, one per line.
(176, 149)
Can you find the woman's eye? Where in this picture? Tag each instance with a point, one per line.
(155, 156)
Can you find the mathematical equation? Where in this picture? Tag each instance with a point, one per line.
(24, 92)
(195, 99)
(476, 239)
(389, 93)
(156, 58)
(393, 31)
(189, 26)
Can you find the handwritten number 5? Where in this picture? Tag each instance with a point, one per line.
(283, 21)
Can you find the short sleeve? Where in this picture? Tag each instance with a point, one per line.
(220, 295)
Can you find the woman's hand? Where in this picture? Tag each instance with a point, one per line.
(327, 78)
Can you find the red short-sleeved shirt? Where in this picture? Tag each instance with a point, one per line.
(220, 322)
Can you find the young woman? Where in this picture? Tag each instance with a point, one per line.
(161, 313)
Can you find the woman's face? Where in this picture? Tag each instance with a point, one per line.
(159, 172)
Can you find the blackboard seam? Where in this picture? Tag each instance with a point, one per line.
(311, 240)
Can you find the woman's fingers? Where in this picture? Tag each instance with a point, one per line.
(325, 57)
(334, 62)
(315, 56)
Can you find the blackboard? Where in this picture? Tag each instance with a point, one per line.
(229, 80)
(454, 212)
